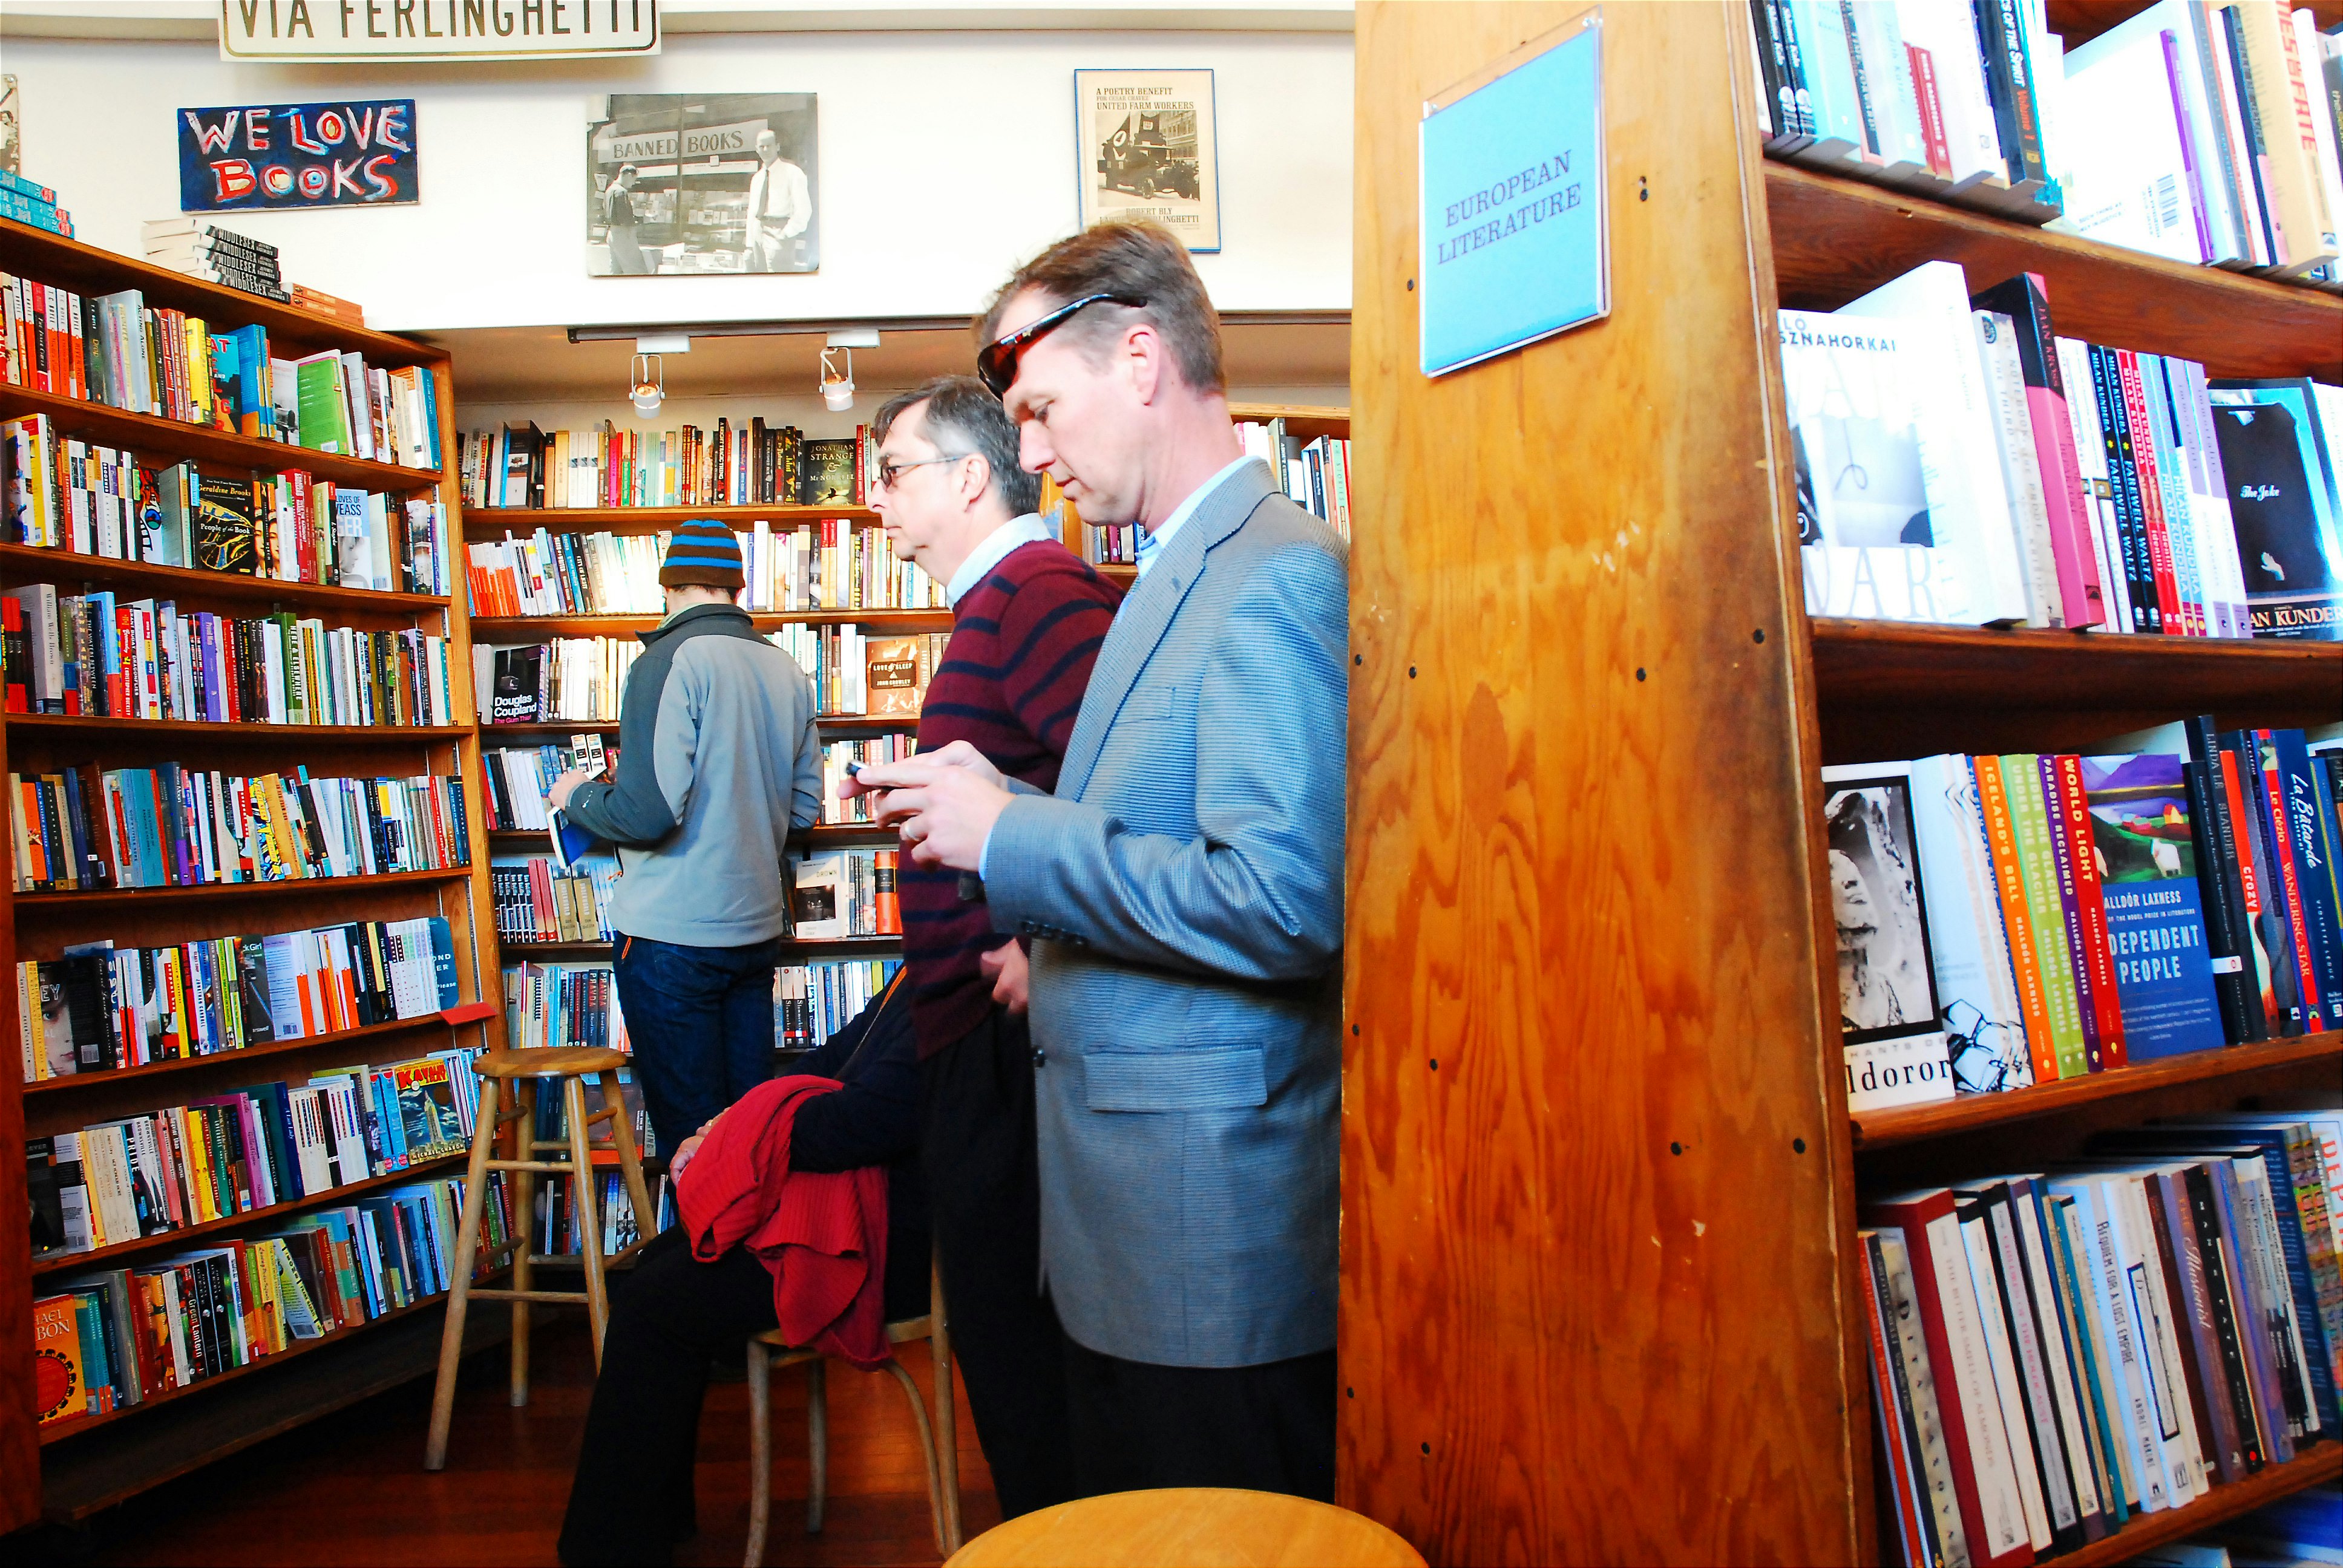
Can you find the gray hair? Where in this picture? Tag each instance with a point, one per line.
(964, 417)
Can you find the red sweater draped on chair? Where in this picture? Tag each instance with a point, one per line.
(823, 1237)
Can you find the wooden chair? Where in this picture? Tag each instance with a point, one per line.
(572, 1065)
(939, 1438)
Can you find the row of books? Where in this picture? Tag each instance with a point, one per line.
(2055, 1353)
(255, 1148)
(85, 828)
(567, 680)
(748, 465)
(2207, 132)
(110, 1340)
(1315, 473)
(29, 202)
(2016, 920)
(846, 893)
(835, 564)
(560, 1234)
(813, 1001)
(553, 1116)
(857, 674)
(518, 777)
(84, 498)
(203, 249)
(96, 1007)
(870, 750)
(564, 1004)
(111, 349)
(1959, 462)
(95, 655)
(538, 901)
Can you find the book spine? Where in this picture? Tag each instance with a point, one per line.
(2287, 881)
(2098, 947)
(2141, 454)
(2067, 885)
(2028, 814)
(2123, 477)
(2214, 838)
(2001, 839)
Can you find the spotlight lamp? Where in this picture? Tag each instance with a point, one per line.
(837, 386)
(649, 383)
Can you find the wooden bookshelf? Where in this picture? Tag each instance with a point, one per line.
(525, 628)
(1591, 1003)
(40, 1471)
(829, 723)
(1971, 1113)
(486, 523)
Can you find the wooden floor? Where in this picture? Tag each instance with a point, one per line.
(351, 1489)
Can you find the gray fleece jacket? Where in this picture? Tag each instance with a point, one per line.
(718, 760)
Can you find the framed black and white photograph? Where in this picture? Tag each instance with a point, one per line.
(1148, 149)
(701, 183)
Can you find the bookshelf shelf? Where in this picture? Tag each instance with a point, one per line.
(52, 1088)
(820, 833)
(829, 723)
(1834, 238)
(85, 268)
(2223, 1502)
(1970, 1113)
(29, 563)
(530, 627)
(80, 726)
(846, 946)
(483, 523)
(150, 433)
(69, 1262)
(119, 897)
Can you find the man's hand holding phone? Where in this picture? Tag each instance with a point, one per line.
(942, 802)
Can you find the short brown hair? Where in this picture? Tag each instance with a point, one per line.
(1138, 260)
(964, 413)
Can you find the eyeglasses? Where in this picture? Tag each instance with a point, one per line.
(996, 362)
(890, 472)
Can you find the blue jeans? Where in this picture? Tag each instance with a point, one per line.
(702, 1024)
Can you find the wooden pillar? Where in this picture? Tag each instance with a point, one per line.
(1597, 1297)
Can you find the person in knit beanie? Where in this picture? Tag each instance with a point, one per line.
(718, 761)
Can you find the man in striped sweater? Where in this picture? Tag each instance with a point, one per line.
(1027, 617)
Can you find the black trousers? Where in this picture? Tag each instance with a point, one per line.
(985, 1203)
(631, 1500)
(1138, 1426)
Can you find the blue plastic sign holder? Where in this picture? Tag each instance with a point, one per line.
(1515, 226)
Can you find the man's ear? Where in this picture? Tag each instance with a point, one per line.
(1142, 361)
(975, 482)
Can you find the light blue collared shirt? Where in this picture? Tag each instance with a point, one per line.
(1032, 528)
(1156, 537)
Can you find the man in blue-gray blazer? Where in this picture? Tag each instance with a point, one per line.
(1183, 892)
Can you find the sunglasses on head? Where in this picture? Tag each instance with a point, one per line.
(997, 362)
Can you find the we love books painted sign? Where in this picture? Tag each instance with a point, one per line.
(263, 158)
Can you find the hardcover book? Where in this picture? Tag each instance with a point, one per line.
(1892, 1034)
(2282, 503)
(223, 528)
(827, 476)
(2156, 920)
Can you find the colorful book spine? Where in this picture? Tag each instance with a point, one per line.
(2098, 956)
(2001, 838)
(2028, 815)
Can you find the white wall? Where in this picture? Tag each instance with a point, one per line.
(945, 158)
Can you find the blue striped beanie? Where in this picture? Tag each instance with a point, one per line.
(703, 551)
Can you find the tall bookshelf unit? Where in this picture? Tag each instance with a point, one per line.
(1599, 1176)
(491, 523)
(69, 1471)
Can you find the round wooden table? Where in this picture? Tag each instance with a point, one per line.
(1189, 1527)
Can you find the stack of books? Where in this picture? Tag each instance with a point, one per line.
(813, 1001)
(217, 255)
(2006, 921)
(1959, 462)
(2056, 1351)
(32, 203)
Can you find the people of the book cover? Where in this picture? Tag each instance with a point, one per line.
(1183, 885)
(780, 206)
(718, 760)
(1028, 618)
(618, 218)
(631, 1500)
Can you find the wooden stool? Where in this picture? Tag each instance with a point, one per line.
(938, 1439)
(573, 1065)
(1189, 1527)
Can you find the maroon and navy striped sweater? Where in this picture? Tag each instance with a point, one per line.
(1010, 685)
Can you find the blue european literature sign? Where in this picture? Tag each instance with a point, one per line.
(1515, 241)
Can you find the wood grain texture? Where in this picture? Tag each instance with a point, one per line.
(1596, 1185)
(1189, 1527)
(1836, 239)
